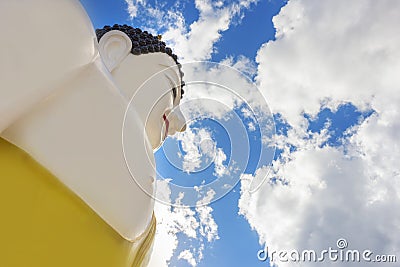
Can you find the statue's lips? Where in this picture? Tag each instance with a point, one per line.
(166, 126)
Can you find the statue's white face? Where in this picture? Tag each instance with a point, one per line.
(148, 80)
(157, 124)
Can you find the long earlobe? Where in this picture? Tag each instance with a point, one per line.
(114, 46)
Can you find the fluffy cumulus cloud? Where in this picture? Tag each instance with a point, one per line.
(331, 52)
(327, 53)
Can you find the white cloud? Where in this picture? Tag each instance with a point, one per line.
(195, 223)
(208, 226)
(166, 241)
(199, 149)
(215, 89)
(195, 41)
(220, 166)
(198, 43)
(377, 143)
(133, 6)
(242, 64)
(327, 196)
(338, 50)
(321, 195)
(188, 256)
(327, 53)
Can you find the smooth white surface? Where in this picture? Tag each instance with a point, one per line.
(59, 103)
(148, 81)
(42, 43)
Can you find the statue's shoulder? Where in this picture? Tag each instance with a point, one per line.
(38, 51)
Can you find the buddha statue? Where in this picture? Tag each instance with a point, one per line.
(67, 196)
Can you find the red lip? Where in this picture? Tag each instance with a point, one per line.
(166, 126)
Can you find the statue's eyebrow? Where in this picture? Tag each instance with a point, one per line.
(178, 76)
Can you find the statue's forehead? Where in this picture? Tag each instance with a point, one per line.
(172, 73)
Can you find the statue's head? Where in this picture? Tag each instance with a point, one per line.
(148, 73)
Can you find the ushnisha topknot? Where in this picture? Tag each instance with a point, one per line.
(143, 43)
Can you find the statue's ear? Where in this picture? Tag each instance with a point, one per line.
(114, 46)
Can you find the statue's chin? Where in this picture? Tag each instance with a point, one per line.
(155, 141)
(155, 132)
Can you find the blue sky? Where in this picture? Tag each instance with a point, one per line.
(238, 244)
(330, 110)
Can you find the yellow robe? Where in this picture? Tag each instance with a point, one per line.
(44, 224)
